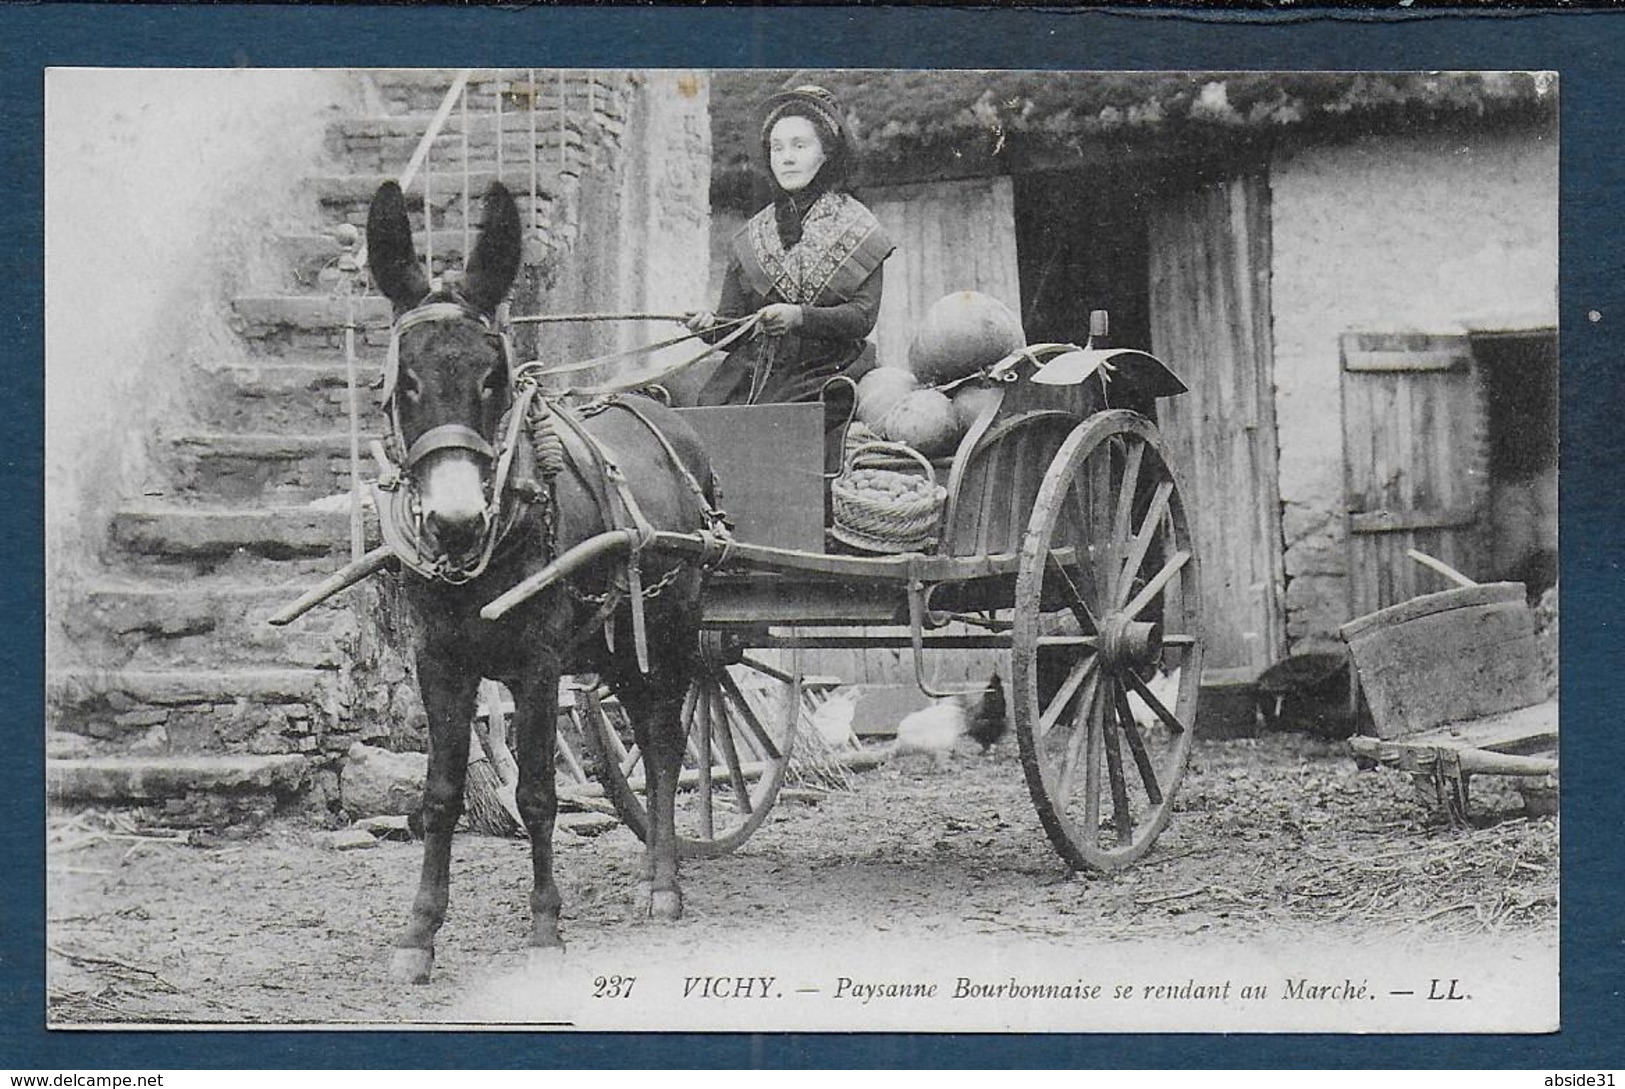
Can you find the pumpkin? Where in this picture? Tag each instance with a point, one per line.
(961, 333)
(971, 398)
(924, 420)
(880, 390)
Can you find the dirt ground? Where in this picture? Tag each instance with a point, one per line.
(1280, 834)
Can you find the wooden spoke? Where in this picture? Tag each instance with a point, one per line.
(1122, 817)
(1096, 528)
(1133, 452)
(1136, 744)
(708, 826)
(1142, 541)
(1158, 581)
(747, 714)
(730, 753)
(634, 756)
(1080, 607)
(1063, 696)
(1091, 781)
(738, 709)
(1157, 708)
(1083, 725)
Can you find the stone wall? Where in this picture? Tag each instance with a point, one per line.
(640, 225)
(1439, 233)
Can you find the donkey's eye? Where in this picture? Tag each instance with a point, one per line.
(410, 387)
(493, 383)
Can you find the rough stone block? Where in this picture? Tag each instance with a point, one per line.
(349, 839)
(126, 779)
(378, 782)
(587, 824)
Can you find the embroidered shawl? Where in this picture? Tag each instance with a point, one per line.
(841, 244)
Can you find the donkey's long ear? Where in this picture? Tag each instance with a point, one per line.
(394, 265)
(495, 263)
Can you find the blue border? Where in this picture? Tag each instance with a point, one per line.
(1583, 46)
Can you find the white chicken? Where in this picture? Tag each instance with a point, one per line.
(931, 731)
(832, 721)
(935, 731)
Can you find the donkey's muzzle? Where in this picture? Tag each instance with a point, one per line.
(451, 497)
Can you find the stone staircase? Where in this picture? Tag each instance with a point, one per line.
(190, 690)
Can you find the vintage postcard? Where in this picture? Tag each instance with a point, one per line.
(818, 550)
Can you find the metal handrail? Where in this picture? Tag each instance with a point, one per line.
(456, 95)
(453, 93)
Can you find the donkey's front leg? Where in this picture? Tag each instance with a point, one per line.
(536, 709)
(448, 697)
(657, 723)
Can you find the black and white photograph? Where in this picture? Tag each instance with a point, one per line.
(801, 550)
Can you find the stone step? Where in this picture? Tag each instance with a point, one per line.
(309, 324)
(204, 536)
(136, 780)
(196, 710)
(289, 394)
(221, 621)
(345, 198)
(265, 469)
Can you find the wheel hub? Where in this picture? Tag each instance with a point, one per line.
(1129, 643)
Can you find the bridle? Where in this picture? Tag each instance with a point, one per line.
(400, 512)
(445, 436)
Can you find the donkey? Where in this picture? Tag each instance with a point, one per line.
(478, 514)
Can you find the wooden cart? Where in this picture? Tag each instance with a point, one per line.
(1064, 544)
(1454, 686)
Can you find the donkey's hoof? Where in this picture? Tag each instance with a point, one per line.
(666, 905)
(411, 965)
(545, 958)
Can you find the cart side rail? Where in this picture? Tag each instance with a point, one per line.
(1047, 391)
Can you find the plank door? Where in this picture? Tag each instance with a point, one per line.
(1415, 462)
(1210, 322)
(950, 236)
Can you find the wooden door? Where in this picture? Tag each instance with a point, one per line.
(1210, 322)
(1415, 462)
(951, 236)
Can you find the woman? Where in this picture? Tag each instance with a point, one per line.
(808, 265)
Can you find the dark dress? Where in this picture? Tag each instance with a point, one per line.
(833, 274)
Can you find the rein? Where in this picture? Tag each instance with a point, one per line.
(741, 328)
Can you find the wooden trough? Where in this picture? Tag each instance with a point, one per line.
(1453, 683)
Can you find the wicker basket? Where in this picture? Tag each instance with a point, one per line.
(884, 509)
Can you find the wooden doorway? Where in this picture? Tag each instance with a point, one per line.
(1210, 322)
(1415, 451)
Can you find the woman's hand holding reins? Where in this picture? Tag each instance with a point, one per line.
(778, 319)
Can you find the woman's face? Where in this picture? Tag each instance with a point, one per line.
(794, 152)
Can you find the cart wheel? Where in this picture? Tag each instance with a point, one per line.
(1107, 615)
(740, 720)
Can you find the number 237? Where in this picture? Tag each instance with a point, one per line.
(613, 986)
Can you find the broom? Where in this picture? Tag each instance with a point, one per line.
(488, 794)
